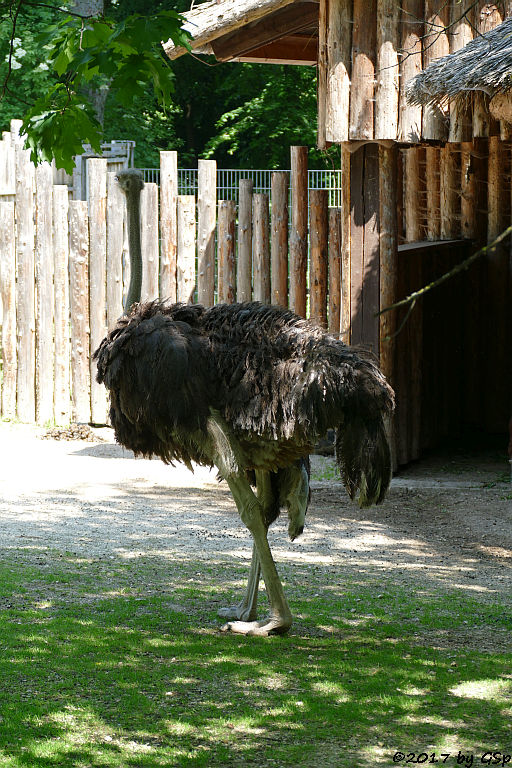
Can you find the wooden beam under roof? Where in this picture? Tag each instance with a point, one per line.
(292, 49)
(285, 21)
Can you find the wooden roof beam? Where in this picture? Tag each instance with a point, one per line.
(292, 49)
(285, 21)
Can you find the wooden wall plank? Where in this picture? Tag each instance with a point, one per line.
(149, 240)
(168, 223)
(244, 262)
(299, 230)
(335, 271)
(8, 295)
(206, 225)
(97, 178)
(412, 196)
(462, 21)
(186, 255)
(318, 250)
(79, 309)
(44, 268)
(261, 247)
(338, 44)
(386, 94)
(226, 251)
(435, 45)
(346, 215)
(362, 97)
(449, 173)
(279, 238)
(433, 217)
(388, 254)
(62, 389)
(371, 278)
(411, 26)
(115, 246)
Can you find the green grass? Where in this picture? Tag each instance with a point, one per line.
(120, 664)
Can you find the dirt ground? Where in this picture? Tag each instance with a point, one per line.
(446, 520)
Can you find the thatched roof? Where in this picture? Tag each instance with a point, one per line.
(484, 64)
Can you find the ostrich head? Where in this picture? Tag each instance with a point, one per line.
(131, 182)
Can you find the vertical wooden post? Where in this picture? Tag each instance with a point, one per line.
(409, 126)
(388, 257)
(488, 16)
(432, 182)
(321, 75)
(261, 248)
(318, 233)
(412, 195)
(25, 286)
(462, 21)
(299, 230)
(79, 309)
(363, 69)
(206, 215)
(44, 295)
(226, 251)
(244, 266)
(386, 96)
(338, 44)
(334, 309)
(449, 192)
(468, 191)
(97, 180)
(115, 243)
(346, 310)
(279, 238)
(186, 255)
(168, 223)
(435, 45)
(8, 295)
(61, 399)
(149, 241)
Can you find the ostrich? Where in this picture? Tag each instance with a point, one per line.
(249, 389)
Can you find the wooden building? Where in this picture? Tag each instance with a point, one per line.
(424, 185)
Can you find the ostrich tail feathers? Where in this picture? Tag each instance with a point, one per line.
(364, 459)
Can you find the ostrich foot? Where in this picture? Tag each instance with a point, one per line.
(241, 611)
(275, 625)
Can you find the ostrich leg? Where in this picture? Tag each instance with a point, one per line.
(246, 609)
(252, 513)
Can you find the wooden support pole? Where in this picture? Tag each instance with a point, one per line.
(115, 244)
(279, 238)
(363, 69)
(433, 199)
(299, 230)
(79, 309)
(97, 178)
(206, 223)
(386, 96)
(186, 255)
(449, 192)
(461, 33)
(335, 271)
(412, 195)
(435, 45)
(244, 266)
(8, 296)
(338, 44)
(44, 267)
(62, 394)
(346, 310)
(149, 241)
(318, 233)
(168, 223)
(226, 251)
(487, 17)
(468, 191)
(261, 247)
(411, 25)
(388, 263)
(25, 286)
(321, 75)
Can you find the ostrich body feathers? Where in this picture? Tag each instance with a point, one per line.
(276, 381)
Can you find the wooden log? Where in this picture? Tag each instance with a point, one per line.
(299, 229)
(386, 95)
(226, 251)
(7, 169)
(115, 245)
(168, 223)
(411, 24)
(79, 309)
(461, 33)
(244, 266)
(338, 43)
(25, 285)
(149, 241)
(335, 271)
(62, 395)
(468, 191)
(449, 192)
(321, 75)
(44, 268)
(435, 45)
(363, 69)
(97, 181)
(346, 310)
(319, 239)
(279, 238)
(412, 197)
(388, 254)
(186, 255)
(261, 247)
(206, 224)
(433, 199)
(488, 16)
(8, 296)
(495, 197)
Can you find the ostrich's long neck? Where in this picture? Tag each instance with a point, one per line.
(134, 249)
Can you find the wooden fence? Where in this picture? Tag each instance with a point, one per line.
(64, 271)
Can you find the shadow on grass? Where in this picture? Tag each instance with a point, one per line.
(95, 670)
